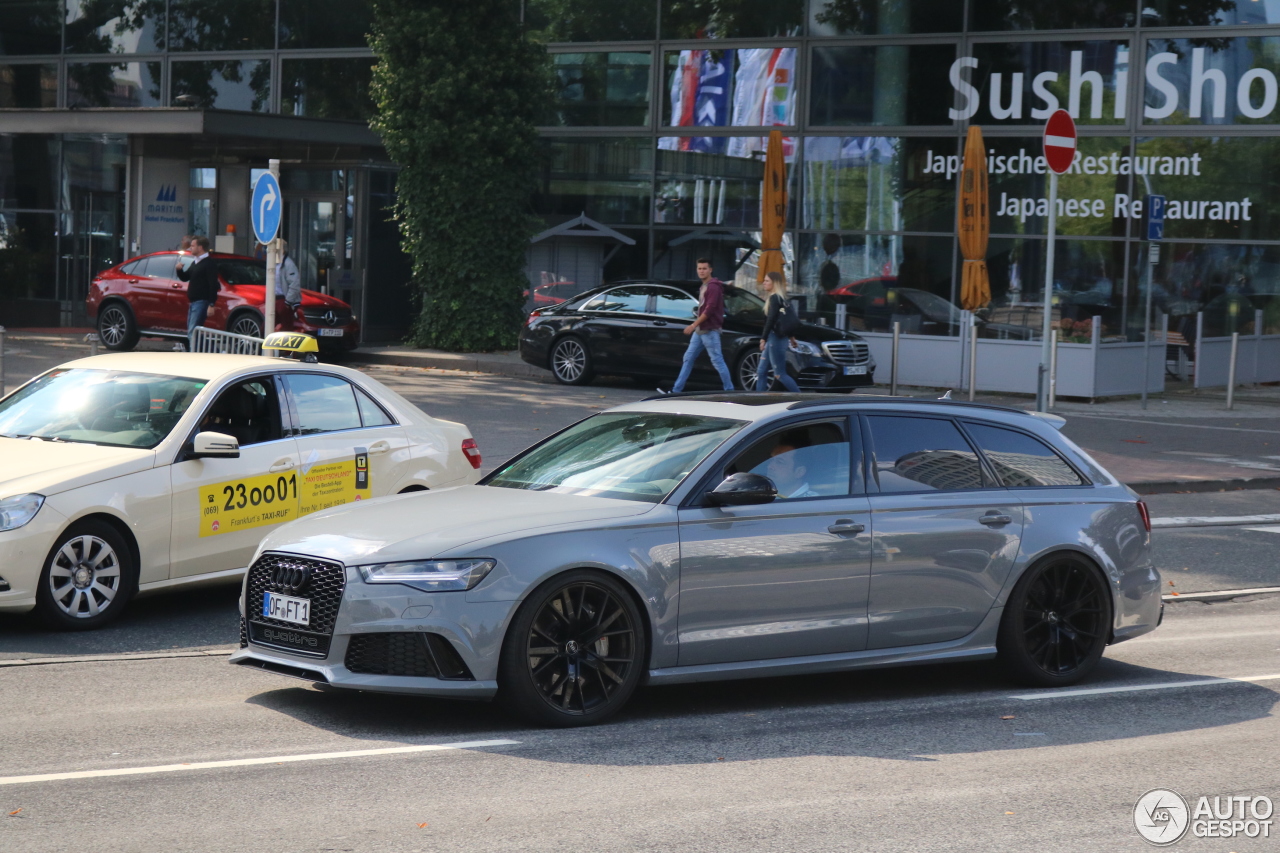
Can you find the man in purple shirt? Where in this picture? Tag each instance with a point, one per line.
(704, 332)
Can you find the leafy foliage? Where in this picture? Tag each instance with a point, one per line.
(459, 90)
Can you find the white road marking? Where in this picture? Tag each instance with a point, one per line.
(1221, 593)
(1160, 637)
(1166, 423)
(1273, 528)
(1211, 520)
(246, 762)
(1133, 688)
(203, 653)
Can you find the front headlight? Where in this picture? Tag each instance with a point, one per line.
(806, 348)
(431, 576)
(18, 510)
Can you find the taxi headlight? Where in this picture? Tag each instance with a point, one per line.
(18, 510)
(430, 575)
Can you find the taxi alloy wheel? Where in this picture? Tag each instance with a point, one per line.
(571, 362)
(1057, 622)
(116, 328)
(574, 653)
(88, 578)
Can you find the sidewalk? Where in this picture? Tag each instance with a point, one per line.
(497, 363)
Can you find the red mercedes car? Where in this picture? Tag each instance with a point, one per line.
(144, 297)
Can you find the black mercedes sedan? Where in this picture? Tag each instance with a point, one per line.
(635, 328)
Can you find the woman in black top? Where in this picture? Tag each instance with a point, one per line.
(773, 344)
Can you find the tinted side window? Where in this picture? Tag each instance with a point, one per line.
(808, 461)
(621, 299)
(324, 403)
(159, 266)
(370, 412)
(673, 303)
(920, 454)
(133, 268)
(1020, 460)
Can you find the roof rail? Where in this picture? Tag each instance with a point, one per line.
(720, 396)
(924, 401)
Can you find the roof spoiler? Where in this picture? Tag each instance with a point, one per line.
(1055, 421)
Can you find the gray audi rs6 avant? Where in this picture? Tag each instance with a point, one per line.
(704, 537)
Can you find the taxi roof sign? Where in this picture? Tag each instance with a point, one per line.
(293, 342)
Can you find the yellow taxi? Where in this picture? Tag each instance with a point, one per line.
(137, 472)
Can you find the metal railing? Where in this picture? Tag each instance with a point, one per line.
(213, 340)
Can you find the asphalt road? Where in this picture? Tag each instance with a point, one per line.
(929, 758)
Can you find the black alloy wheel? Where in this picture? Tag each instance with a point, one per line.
(247, 323)
(571, 362)
(1056, 623)
(88, 578)
(748, 364)
(117, 329)
(574, 653)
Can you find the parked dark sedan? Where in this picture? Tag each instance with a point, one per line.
(636, 328)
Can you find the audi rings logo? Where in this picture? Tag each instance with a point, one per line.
(1161, 817)
(291, 578)
(330, 317)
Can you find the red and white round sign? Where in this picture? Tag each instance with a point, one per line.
(1060, 141)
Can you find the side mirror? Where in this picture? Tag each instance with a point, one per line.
(743, 489)
(215, 445)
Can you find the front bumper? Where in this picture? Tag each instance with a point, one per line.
(22, 555)
(472, 629)
(349, 340)
(819, 374)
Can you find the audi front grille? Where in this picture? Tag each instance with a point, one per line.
(319, 581)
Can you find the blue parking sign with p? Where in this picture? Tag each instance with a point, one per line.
(1155, 207)
(268, 204)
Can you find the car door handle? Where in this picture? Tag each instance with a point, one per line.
(659, 322)
(995, 519)
(281, 465)
(844, 525)
(379, 447)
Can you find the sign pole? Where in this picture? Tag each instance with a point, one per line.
(273, 258)
(1047, 323)
(1153, 215)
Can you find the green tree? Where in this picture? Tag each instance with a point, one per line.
(459, 91)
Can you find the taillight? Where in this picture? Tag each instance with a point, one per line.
(532, 316)
(472, 450)
(1146, 515)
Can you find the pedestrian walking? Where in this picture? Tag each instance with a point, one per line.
(780, 327)
(704, 332)
(288, 281)
(202, 285)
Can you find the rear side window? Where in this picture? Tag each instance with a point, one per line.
(1021, 461)
(323, 403)
(673, 303)
(159, 266)
(632, 300)
(922, 454)
(370, 412)
(133, 267)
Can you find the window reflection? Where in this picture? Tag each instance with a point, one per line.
(105, 84)
(883, 17)
(222, 25)
(1024, 82)
(1229, 284)
(231, 84)
(30, 27)
(715, 180)
(1064, 15)
(128, 26)
(880, 279)
(602, 89)
(1178, 13)
(324, 23)
(28, 87)
(607, 179)
(877, 183)
(590, 20)
(327, 88)
(731, 88)
(708, 19)
(870, 85)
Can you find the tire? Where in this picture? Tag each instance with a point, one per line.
(555, 641)
(247, 323)
(1056, 623)
(571, 362)
(88, 578)
(748, 364)
(117, 328)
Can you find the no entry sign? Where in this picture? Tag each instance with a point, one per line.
(1060, 141)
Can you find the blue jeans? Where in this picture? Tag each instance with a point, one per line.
(775, 354)
(698, 341)
(196, 315)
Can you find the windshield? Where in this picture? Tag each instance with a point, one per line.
(98, 407)
(634, 456)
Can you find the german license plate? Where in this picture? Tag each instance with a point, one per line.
(286, 608)
(856, 370)
(331, 333)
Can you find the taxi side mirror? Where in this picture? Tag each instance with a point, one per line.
(214, 445)
(742, 489)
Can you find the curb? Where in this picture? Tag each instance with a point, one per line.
(1220, 595)
(1166, 487)
(450, 361)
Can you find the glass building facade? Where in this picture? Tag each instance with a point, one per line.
(664, 107)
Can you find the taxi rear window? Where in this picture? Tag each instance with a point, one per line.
(108, 407)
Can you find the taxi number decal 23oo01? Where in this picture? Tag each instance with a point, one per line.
(251, 502)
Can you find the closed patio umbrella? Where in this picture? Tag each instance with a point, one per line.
(773, 207)
(974, 223)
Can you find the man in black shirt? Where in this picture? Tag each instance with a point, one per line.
(202, 285)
